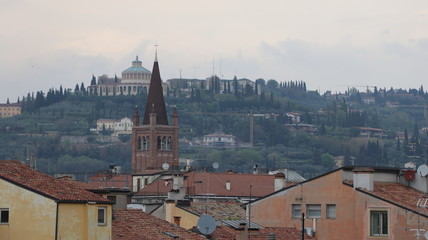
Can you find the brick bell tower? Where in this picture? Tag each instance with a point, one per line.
(154, 142)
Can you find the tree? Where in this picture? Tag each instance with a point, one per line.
(322, 130)
(249, 90)
(406, 142)
(416, 130)
(398, 144)
(82, 88)
(316, 157)
(76, 89)
(347, 161)
(93, 81)
(327, 161)
(235, 86)
(7, 102)
(272, 84)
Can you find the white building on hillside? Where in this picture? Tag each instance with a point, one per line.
(122, 126)
(219, 139)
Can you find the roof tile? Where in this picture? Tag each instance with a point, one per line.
(22, 175)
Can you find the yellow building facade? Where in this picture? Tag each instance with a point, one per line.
(30, 207)
(181, 217)
(9, 110)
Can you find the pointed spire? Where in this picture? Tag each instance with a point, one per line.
(155, 101)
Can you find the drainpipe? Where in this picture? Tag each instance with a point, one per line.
(56, 221)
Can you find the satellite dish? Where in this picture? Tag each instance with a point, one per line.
(206, 224)
(423, 170)
(215, 165)
(165, 166)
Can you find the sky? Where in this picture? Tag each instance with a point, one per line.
(330, 44)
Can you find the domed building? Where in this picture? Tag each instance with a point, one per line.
(137, 73)
(135, 80)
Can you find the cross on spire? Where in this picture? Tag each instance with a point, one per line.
(156, 52)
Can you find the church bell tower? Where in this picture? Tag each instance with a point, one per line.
(154, 141)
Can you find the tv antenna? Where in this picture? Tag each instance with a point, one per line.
(206, 224)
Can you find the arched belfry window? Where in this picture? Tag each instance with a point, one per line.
(168, 143)
(164, 143)
(139, 146)
(146, 143)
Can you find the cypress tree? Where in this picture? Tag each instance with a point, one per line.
(82, 87)
(93, 81)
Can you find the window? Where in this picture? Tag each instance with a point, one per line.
(330, 211)
(102, 216)
(313, 210)
(378, 223)
(296, 211)
(4, 216)
(146, 143)
(112, 199)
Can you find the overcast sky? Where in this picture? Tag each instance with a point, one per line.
(328, 44)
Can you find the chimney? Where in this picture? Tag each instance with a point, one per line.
(178, 190)
(241, 232)
(363, 178)
(187, 164)
(279, 182)
(255, 170)
(228, 185)
(177, 182)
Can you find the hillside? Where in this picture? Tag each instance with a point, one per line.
(55, 130)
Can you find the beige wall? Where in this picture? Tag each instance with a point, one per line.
(79, 221)
(30, 214)
(187, 219)
(400, 221)
(352, 211)
(327, 191)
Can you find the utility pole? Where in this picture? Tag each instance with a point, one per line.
(249, 214)
(303, 226)
(251, 128)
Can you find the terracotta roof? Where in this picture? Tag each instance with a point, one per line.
(155, 101)
(398, 194)
(214, 183)
(10, 104)
(219, 210)
(150, 172)
(23, 176)
(281, 233)
(203, 183)
(110, 180)
(135, 224)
